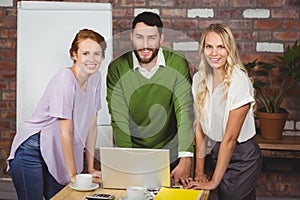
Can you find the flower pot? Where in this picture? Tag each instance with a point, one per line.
(272, 124)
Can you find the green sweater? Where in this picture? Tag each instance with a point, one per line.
(151, 113)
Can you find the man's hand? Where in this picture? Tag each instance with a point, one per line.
(182, 170)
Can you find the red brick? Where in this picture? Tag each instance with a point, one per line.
(7, 65)
(3, 166)
(250, 35)
(243, 3)
(130, 3)
(291, 24)
(6, 105)
(267, 24)
(115, 24)
(195, 34)
(167, 23)
(4, 155)
(10, 75)
(167, 44)
(160, 3)
(8, 54)
(273, 57)
(203, 24)
(12, 85)
(7, 115)
(124, 23)
(4, 125)
(11, 12)
(172, 13)
(7, 134)
(8, 33)
(292, 13)
(246, 46)
(4, 86)
(7, 44)
(126, 45)
(248, 57)
(8, 23)
(231, 13)
(215, 3)
(188, 3)
(237, 35)
(182, 24)
(271, 3)
(122, 12)
(240, 24)
(286, 36)
(176, 35)
(264, 36)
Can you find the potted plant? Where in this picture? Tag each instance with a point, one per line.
(271, 89)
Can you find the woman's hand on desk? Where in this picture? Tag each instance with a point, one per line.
(97, 178)
(199, 178)
(198, 185)
(185, 181)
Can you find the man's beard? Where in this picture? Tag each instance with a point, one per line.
(146, 60)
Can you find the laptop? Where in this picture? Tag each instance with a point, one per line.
(124, 167)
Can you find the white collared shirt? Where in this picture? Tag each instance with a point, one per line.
(148, 74)
(217, 109)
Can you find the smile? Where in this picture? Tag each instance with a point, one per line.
(215, 60)
(91, 65)
(145, 52)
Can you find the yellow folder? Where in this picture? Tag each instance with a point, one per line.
(178, 194)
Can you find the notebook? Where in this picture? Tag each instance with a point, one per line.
(124, 167)
(178, 194)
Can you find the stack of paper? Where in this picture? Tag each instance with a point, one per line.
(178, 194)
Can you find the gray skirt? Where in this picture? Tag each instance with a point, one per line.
(243, 171)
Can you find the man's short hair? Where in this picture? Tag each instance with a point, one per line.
(150, 19)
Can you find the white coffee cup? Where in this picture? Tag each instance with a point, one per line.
(84, 180)
(136, 193)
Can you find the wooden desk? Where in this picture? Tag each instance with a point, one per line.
(68, 193)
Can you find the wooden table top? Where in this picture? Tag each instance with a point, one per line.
(68, 193)
(289, 143)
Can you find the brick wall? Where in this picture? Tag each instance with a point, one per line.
(263, 29)
(8, 36)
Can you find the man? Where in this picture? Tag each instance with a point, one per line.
(149, 96)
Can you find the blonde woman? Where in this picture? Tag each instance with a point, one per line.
(224, 101)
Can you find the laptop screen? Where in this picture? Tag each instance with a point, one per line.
(124, 167)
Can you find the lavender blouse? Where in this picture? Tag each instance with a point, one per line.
(63, 98)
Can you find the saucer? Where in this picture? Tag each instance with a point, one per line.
(92, 187)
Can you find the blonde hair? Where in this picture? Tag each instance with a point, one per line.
(233, 61)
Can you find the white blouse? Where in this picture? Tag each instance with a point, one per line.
(216, 108)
